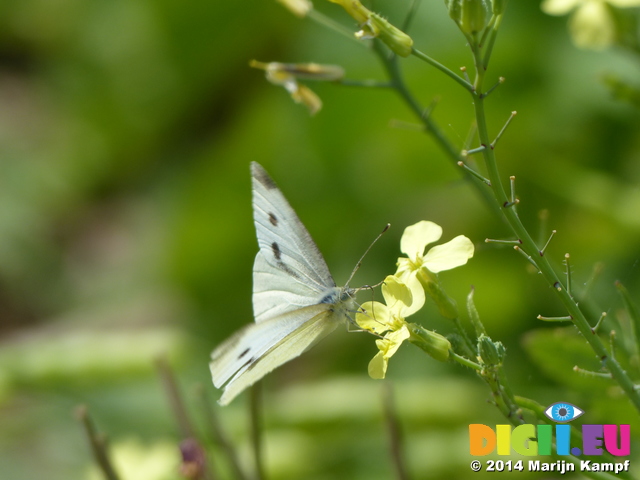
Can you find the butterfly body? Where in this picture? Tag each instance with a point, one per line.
(295, 299)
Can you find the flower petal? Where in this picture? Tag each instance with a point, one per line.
(396, 294)
(592, 26)
(449, 255)
(393, 341)
(405, 266)
(387, 346)
(416, 237)
(378, 366)
(299, 8)
(376, 319)
(410, 279)
(559, 7)
(624, 3)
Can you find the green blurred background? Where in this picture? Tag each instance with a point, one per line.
(126, 133)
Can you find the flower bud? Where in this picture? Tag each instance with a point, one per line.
(446, 305)
(498, 6)
(433, 343)
(355, 9)
(460, 346)
(193, 459)
(374, 26)
(398, 41)
(277, 72)
(470, 15)
(474, 316)
(492, 353)
(287, 75)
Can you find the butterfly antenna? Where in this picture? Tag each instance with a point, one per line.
(387, 226)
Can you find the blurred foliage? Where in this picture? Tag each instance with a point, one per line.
(126, 132)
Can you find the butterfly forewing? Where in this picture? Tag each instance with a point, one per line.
(287, 247)
(275, 294)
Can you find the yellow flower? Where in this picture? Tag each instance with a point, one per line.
(387, 346)
(388, 320)
(300, 8)
(592, 24)
(133, 459)
(420, 266)
(287, 75)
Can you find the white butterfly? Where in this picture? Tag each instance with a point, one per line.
(295, 300)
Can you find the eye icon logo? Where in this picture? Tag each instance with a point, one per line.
(563, 412)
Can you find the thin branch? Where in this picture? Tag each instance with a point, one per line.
(98, 444)
(423, 56)
(175, 398)
(394, 432)
(255, 407)
(218, 435)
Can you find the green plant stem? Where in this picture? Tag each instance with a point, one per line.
(464, 361)
(98, 444)
(175, 398)
(394, 432)
(255, 412)
(423, 56)
(502, 396)
(463, 333)
(180, 412)
(634, 317)
(492, 40)
(530, 247)
(508, 393)
(413, 8)
(218, 435)
(390, 64)
(488, 29)
(395, 76)
(331, 24)
(364, 83)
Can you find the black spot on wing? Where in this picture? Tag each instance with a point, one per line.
(289, 271)
(261, 175)
(248, 362)
(273, 219)
(243, 353)
(275, 248)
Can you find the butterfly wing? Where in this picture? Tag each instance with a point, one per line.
(289, 271)
(295, 299)
(257, 349)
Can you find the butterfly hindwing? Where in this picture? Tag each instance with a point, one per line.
(259, 348)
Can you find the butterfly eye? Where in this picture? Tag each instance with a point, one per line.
(563, 412)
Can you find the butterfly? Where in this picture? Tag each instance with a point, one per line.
(295, 299)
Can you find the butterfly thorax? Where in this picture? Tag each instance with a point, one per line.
(342, 300)
(336, 295)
